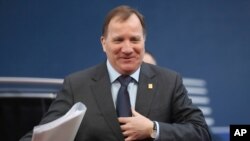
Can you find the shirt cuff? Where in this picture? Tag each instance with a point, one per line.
(158, 131)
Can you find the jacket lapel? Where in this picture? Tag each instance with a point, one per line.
(146, 90)
(102, 93)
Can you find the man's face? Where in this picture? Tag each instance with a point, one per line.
(124, 44)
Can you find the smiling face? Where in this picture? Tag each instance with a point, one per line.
(124, 44)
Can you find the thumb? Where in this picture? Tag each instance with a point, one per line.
(135, 113)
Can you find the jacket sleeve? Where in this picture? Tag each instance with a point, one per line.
(188, 123)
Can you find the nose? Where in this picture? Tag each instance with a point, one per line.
(127, 48)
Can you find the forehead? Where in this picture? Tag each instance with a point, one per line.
(132, 23)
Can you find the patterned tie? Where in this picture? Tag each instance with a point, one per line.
(123, 106)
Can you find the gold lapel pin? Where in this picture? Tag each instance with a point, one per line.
(150, 86)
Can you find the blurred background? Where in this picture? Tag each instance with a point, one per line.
(42, 41)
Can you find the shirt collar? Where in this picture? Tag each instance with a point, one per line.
(113, 74)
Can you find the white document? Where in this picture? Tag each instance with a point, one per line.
(63, 128)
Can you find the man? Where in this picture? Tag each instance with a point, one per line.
(148, 58)
(160, 108)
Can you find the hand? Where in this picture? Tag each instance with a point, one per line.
(136, 127)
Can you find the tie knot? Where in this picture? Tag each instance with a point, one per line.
(124, 80)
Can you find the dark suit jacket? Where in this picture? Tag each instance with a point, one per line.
(166, 103)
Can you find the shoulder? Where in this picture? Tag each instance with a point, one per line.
(161, 74)
(91, 73)
(158, 70)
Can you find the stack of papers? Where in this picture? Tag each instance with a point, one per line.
(63, 128)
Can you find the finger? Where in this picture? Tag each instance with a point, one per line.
(129, 138)
(124, 127)
(123, 119)
(126, 133)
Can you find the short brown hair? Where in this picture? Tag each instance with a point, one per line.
(124, 12)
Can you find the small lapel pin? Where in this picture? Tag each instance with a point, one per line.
(150, 86)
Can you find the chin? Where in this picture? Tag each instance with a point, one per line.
(129, 69)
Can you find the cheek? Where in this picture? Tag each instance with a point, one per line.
(139, 50)
(112, 51)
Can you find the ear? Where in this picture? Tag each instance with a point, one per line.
(103, 42)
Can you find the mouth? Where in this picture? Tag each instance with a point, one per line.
(127, 58)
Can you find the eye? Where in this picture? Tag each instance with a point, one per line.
(135, 39)
(118, 40)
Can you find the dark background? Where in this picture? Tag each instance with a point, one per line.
(208, 40)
